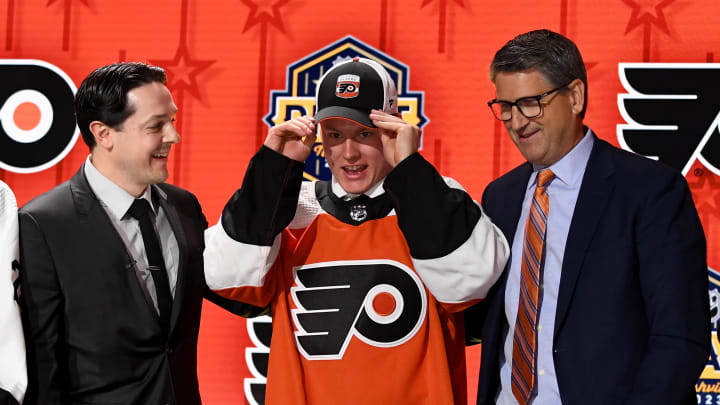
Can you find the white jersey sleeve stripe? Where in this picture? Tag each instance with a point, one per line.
(230, 264)
(468, 272)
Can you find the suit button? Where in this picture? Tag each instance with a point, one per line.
(169, 351)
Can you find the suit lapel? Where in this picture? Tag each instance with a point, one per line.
(177, 228)
(108, 246)
(595, 190)
(511, 201)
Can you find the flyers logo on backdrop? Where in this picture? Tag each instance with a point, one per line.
(299, 96)
(708, 386)
(256, 358)
(380, 302)
(37, 120)
(672, 111)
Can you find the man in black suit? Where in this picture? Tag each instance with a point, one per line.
(111, 261)
(605, 299)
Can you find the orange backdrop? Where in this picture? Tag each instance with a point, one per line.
(224, 57)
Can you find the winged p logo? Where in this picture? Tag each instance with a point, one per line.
(381, 302)
(672, 113)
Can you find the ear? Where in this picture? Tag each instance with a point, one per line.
(103, 134)
(576, 89)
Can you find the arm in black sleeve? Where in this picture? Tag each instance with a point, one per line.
(435, 218)
(266, 202)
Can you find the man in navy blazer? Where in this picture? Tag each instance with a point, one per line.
(623, 312)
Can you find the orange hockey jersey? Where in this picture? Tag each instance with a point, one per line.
(357, 317)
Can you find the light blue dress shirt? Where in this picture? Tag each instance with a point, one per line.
(562, 193)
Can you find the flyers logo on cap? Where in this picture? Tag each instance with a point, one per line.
(348, 86)
(37, 121)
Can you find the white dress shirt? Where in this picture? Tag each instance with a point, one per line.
(372, 192)
(116, 203)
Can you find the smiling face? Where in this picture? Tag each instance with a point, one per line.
(138, 149)
(354, 154)
(545, 139)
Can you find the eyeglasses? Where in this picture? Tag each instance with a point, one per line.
(529, 107)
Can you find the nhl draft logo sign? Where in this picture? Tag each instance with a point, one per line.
(299, 96)
(37, 124)
(708, 386)
(672, 113)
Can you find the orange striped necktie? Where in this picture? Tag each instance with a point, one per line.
(525, 336)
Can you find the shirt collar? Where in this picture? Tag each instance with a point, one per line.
(571, 167)
(372, 192)
(113, 197)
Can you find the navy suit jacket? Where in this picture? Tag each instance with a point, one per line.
(632, 324)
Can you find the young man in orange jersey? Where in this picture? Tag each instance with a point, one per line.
(366, 274)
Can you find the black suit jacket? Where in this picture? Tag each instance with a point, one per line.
(92, 336)
(632, 324)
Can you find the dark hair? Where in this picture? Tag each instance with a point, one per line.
(102, 96)
(556, 57)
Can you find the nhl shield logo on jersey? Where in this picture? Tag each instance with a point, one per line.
(348, 86)
(380, 302)
(358, 212)
(708, 386)
(299, 96)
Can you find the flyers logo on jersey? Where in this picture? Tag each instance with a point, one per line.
(672, 112)
(348, 86)
(298, 98)
(380, 302)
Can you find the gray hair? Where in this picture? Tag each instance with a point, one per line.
(556, 57)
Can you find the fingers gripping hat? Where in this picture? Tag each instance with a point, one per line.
(351, 89)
